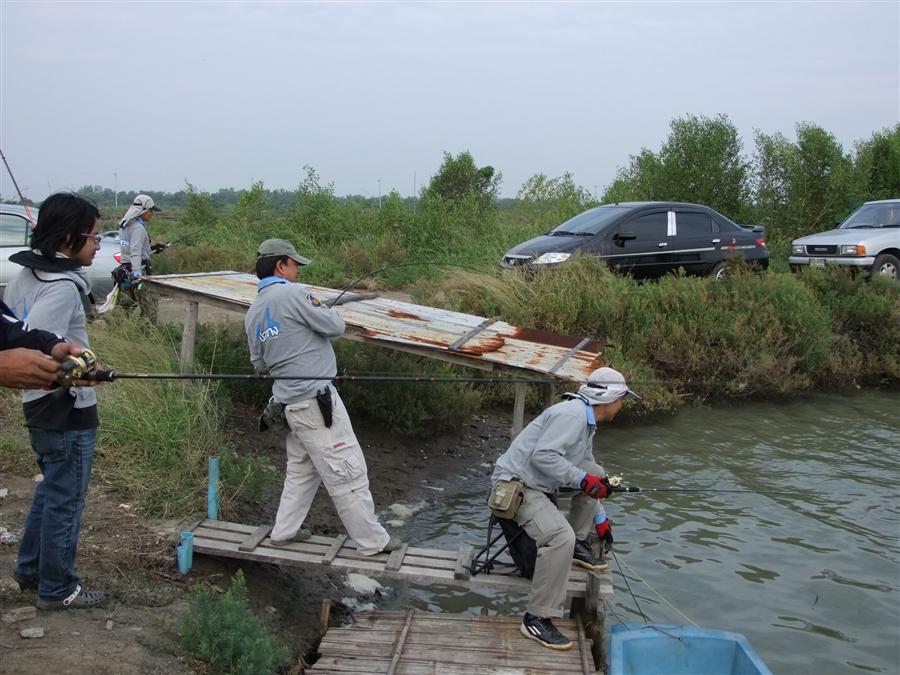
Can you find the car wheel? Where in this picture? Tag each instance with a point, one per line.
(719, 271)
(887, 265)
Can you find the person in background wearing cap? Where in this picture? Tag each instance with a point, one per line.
(556, 450)
(289, 332)
(136, 248)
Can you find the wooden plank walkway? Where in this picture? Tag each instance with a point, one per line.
(414, 564)
(421, 643)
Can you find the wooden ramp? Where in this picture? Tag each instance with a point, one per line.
(417, 565)
(420, 643)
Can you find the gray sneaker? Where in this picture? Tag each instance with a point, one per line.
(80, 599)
(393, 544)
(301, 535)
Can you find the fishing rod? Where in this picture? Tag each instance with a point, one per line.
(21, 196)
(187, 236)
(634, 488)
(391, 267)
(84, 367)
(112, 376)
(615, 485)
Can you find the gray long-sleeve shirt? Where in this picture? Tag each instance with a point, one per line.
(289, 332)
(52, 301)
(546, 454)
(134, 243)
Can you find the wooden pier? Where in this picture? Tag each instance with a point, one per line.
(423, 643)
(414, 564)
(420, 642)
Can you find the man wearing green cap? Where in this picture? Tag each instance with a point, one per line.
(289, 332)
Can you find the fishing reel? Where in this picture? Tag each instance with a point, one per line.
(614, 481)
(77, 367)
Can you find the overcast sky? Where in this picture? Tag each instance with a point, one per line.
(223, 94)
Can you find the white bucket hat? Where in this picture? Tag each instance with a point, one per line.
(140, 204)
(604, 386)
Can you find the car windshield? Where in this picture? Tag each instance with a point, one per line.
(874, 215)
(589, 223)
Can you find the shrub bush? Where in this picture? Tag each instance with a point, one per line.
(412, 409)
(222, 631)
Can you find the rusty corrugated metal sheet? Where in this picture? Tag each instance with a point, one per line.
(385, 320)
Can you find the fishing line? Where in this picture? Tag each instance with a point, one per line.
(657, 593)
(628, 586)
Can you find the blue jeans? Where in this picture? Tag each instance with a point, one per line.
(50, 542)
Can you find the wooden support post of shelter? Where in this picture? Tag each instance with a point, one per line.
(518, 420)
(189, 336)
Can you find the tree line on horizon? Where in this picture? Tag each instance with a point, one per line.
(793, 187)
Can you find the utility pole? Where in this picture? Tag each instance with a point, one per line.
(379, 193)
(414, 191)
(116, 183)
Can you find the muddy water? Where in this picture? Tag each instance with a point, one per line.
(808, 571)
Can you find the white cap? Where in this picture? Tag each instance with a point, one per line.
(606, 385)
(139, 205)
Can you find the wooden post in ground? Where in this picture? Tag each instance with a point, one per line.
(189, 336)
(593, 619)
(324, 617)
(549, 394)
(518, 420)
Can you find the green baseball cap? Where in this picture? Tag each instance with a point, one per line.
(280, 247)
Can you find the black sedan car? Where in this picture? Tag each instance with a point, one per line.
(646, 240)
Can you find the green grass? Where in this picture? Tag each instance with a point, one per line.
(746, 336)
(155, 435)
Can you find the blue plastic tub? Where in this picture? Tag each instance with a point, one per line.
(649, 649)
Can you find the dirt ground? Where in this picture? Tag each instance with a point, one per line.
(133, 561)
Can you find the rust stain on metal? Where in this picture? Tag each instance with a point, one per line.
(479, 347)
(403, 315)
(426, 341)
(547, 338)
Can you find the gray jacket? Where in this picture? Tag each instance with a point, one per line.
(289, 332)
(54, 303)
(134, 245)
(546, 454)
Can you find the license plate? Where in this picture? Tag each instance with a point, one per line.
(817, 262)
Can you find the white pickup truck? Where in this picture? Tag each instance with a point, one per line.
(869, 239)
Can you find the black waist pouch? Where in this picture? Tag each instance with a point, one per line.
(323, 398)
(522, 548)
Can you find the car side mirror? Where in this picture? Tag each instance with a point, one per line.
(621, 237)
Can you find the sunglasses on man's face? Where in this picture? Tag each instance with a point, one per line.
(96, 237)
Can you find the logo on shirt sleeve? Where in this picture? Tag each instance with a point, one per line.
(313, 300)
(269, 328)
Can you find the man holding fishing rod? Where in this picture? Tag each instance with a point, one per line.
(555, 451)
(135, 251)
(289, 332)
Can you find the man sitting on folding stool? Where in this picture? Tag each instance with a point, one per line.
(556, 450)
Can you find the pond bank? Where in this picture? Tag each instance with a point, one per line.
(132, 560)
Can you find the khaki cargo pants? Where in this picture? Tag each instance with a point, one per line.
(319, 454)
(555, 538)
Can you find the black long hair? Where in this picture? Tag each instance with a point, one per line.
(62, 219)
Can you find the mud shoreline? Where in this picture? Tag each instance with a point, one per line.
(132, 559)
